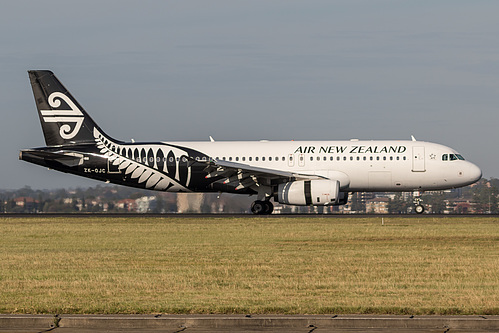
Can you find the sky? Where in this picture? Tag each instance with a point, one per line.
(252, 70)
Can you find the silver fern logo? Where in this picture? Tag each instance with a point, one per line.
(151, 168)
(65, 117)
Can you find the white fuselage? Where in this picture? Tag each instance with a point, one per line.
(359, 165)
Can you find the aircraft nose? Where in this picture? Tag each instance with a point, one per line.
(474, 173)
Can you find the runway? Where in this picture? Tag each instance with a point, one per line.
(247, 323)
(273, 216)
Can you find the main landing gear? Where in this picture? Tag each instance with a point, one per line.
(262, 207)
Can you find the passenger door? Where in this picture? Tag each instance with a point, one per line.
(418, 159)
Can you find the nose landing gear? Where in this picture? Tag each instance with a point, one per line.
(419, 208)
(262, 207)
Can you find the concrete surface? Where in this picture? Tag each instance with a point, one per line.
(241, 323)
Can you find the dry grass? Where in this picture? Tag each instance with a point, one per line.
(255, 265)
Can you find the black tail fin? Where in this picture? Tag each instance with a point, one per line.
(63, 120)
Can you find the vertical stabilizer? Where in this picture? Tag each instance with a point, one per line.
(63, 119)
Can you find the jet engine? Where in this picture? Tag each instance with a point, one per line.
(311, 192)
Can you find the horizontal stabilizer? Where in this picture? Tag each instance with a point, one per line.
(70, 159)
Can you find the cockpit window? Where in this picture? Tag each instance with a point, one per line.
(452, 157)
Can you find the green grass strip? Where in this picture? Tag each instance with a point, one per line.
(250, 265)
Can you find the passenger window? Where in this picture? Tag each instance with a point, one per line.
(391, 158)
(270, 158)
(230, 158)
(358, 158)
(237, 158)
(445, 157)
(243, 158)
(263, 158)
(318, 158)
(256, 158)
(311, 158)
(371, 158)
(325, 158)
(377, 158)
(283, 158)
(364, 158)
(351, 158)
(344, 158)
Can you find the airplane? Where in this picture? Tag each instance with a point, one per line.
(303, 173)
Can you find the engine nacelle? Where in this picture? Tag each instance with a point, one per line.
(311, 192)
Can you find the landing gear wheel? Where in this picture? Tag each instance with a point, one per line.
(419, 209)
(269, 207)
(262, 207)
(258, 207)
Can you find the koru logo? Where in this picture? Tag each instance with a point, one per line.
(63, 116)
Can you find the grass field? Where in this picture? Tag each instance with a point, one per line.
(249, 265)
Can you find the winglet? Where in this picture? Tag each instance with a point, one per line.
(413, 138)
(211, 139)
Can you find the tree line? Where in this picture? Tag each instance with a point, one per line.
(481, 197)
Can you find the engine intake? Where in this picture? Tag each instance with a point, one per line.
(311, 192)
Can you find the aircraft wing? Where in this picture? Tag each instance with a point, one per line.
(242, 175)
